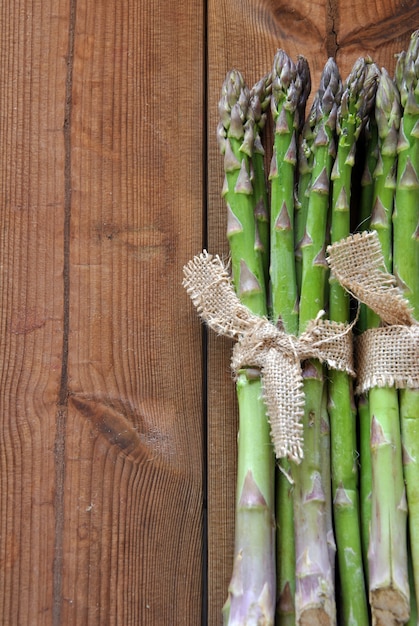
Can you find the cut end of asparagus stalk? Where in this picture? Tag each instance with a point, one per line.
(390, 607)
(315, 616)
(318, 610)
(387, 554)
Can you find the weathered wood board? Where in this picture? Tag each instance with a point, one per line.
(101, 402)
(117, 413)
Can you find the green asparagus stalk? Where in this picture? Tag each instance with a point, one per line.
(251, 596)
(387, 556)
(354, 108)
(236, 134)
(363, 413)
(365, 475)
(313, 247)
(260, 96)
(304, 161)
(282, 175)
(289, 93)
(406, 269)
(315, 597)
(414, 617)
(399, 72)
(305, 158)
(366, 200)
(325, 451)
(387, 114)
(407, 192)
(285, 546)
(387, 552)
(303, 81)
(367, 181)
(284, 102)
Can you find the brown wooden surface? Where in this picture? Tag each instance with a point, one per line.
(101, 402)
(108, 186)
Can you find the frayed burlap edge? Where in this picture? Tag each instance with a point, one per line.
(389, 355)
(263, 345)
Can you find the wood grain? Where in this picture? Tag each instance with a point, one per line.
(101, 398)
(245, 35)
(108, 186)
(33, 47)
(133, 485)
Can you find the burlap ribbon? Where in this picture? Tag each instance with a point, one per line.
(261, 344)
(388, 355)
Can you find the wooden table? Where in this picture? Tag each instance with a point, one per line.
(118, 414)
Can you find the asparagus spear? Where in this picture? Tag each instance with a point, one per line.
(407, 192)
(387, 553)
(305, 165)
(235, 134)
(260, 96)
(365, 475)
(406, 269)
(387, 114)
(356, 101)
(363, 413)
(315, 601)
(284, 101)
(363, 215)
(325, 455)
(251, 596)
(289, 93)
(303, 80)
(282, 188)
(367, 183)
(414, 617)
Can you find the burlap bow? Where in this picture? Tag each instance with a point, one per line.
(262, 345)
(388, 355)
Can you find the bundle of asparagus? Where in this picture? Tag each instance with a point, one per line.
(353, 497)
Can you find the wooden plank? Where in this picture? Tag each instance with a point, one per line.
(33, 47)
(101, 406)
(102, 182)
(133, 435)
(245, 35)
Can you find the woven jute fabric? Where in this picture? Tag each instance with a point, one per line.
(261, 344)
(358, 264)
(388, 355)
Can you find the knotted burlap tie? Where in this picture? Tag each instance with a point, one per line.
(262, 345)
